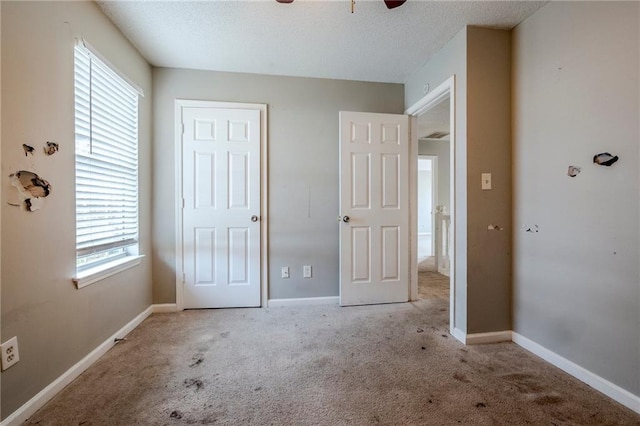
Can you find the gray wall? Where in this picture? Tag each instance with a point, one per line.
(303, 168)
(488, 151)
(576, 94)
(56, 324)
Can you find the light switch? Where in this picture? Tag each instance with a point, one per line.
(306, 271)
(486, 181)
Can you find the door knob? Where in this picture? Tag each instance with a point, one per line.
(346, 219)
(254, 218)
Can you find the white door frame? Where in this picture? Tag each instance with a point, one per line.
(264, 217)
(444, 90)
(434, 193)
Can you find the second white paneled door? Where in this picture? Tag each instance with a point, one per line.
(374, 205)
(221, 207)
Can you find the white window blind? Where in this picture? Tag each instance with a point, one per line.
(106, 133)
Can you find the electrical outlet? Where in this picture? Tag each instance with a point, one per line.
(10, 354)
(306, 271)
(285, 272)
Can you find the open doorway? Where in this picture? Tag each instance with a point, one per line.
(433, 147)
(433, 138)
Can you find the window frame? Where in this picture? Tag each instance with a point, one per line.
(127, 250)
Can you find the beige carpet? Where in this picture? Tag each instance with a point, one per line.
(431, 284)
(324, 365)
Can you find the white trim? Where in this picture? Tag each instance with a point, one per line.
(264, 206)
(432, 98)
(305, 301)
(447, 88)
(41, 398)
(164, 308)
(492, 337)
(100, 272)
(613, 391)
(459, 335)
(178, 205)
(413, 207)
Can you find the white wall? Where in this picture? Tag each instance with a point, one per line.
(303, 168)
(56, 324)
(441, 150)
(576, 93)
(425, 195)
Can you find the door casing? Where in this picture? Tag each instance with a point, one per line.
(179, 267)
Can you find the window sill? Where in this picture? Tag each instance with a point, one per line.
(99, 273)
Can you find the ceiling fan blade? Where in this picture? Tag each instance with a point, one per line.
(391, 4)
(285, 1)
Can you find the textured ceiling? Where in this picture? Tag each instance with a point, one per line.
(306, 38)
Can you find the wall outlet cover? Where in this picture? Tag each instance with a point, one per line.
(306, 271)
(10, 354)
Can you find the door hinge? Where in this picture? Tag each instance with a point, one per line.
(183, 203)
(184, 278)
(182, 128)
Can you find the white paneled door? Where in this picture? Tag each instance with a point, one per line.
(374, 207)
(221, 207)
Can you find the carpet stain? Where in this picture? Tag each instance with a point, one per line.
(209, 420)
(548, 400)
(197, 383)
(444, 335)
(259, 388)
(225, 334)
(525, 383)
(461, 378)
(481, 405)
(420, 330)
(197, 360)
(176, 414)
(322, 362)
(462, 360)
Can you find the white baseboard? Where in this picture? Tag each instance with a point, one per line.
(164, 308)
(42, 397)
(459, 335)
(305, 301)
(492, 337)
(613, 391)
